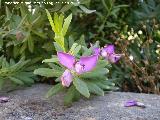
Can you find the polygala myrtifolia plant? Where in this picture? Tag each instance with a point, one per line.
(19, 73)
(80, 70)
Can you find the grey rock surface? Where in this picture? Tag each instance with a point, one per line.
(30, 104)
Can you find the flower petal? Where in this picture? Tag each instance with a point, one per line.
(113, 58)
(79, 68)
(109, 49)
(88, 62)
(96, 51)
(130, 103)
(4, 99)
(139, 104)
(66, 78)
(66, 59)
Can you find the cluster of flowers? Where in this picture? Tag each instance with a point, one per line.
(84, 64)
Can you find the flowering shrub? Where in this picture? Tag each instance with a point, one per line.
(81, 70)
(139, 69)
(18, 73)
(139, 41)
(108, 52)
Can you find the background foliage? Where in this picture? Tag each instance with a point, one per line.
(26, 33)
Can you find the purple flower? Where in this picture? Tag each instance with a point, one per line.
(66, 78)
(97, 51)
(113, 58)
(108, 52)
(85, 64)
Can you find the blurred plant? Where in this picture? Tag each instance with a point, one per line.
(110, 12)
(88, 74)
(19, 73)
(139, 70)
(23, 31)
(147, 16)
(105, 20)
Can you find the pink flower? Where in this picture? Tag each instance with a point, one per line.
(108, 52)
(85, 64)
(66, 78)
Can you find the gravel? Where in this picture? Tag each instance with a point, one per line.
(30, 104)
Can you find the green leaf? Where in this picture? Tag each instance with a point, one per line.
(66, 24)
(30, 44)
(86, 10)
(25, 79)
(87, 51)
(73, 47)
(97, 73)
(47, 72)
(0, 3)
(93, 88)
(40, 34)
(22, 21)
(56, 22)
(81, 86)
(102, 64)
(23, 47)
(51, 21)
(56, 67)
(8, 13)
(77, 49)
(15, 80)
(104, 85)
(81, 41)
(24, 9)
(107, 6)
(52, 60)
(12, 62)
(70, 41)
(61, 18)
(119, 6)
(68, 99)
(36, 20)
(5, 63)
(59, 38)
(66, 8)
(58, 47)
(15, 51)
(55, 89)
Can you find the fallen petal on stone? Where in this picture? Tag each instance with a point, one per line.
(130, 103)
(139, 104)
(4, 99)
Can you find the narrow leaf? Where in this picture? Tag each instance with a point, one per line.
(81, 86)
(55, 89)
(52, 60)
(51, 21)
(15, 80)
(47, 72)
(66, 24)
(93, 88)
(86, 10)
